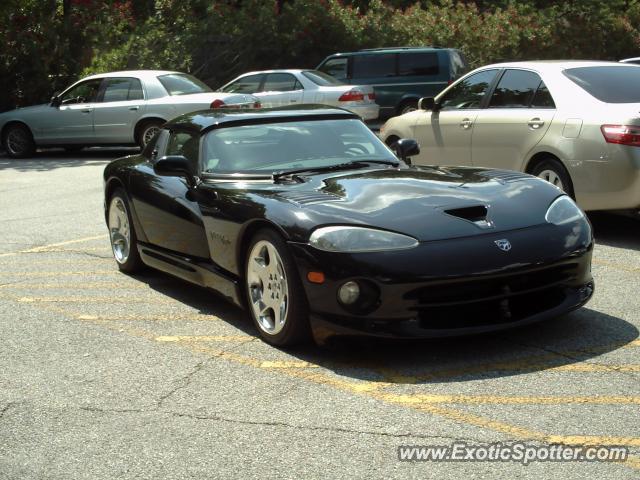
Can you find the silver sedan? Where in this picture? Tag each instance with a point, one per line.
(573, 123)
(278, 88)
(119, 108)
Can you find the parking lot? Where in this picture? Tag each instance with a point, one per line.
(106, 375)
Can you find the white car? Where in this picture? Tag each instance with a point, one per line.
(573, 123)
(278, 88)
(118, 108)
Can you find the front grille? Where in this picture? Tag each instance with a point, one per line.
(489, 301)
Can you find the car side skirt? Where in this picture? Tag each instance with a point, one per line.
(202, 273)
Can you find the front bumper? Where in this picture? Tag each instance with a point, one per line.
(452, 287)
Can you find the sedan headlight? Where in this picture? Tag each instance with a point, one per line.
(359, 239)
(563, 210)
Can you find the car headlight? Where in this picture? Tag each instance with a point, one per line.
(563, 210)
(358, 239)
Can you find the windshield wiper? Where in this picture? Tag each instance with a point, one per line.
(330, 168)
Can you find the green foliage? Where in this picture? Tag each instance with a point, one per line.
(48, 43)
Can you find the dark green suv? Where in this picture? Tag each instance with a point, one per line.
(400, 76)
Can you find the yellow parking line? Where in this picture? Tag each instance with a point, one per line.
(145, 317)
(94, 299)
(53, 245)
(523, 400)
(113, 271)
(74, 286)
(205, 338)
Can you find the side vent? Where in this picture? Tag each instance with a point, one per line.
(309, 197)
(476, 214)
(504, 175)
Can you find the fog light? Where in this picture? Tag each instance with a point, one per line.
(349, 293)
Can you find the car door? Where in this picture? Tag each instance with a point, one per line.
(445, 134)
(72, 121)
(120, 104)
(165, 205)
(518, 115)
(280, 89)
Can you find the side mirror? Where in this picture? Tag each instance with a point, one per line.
(55, 101)
(405, 148)
(428, 103)
(175, 166)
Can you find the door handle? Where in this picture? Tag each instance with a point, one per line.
(87, 110)
(134, 108)
(536, 123)
(293, 101)
(466, 123)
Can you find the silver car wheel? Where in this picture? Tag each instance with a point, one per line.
(551, 177)
(17, 141)
(119, 231)
(268, 288)
(148, 133)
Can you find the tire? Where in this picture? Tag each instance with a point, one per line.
(407, 106)
(18, 141)
(554, 172)
(282, 318)
(147, 130)
(122, 234)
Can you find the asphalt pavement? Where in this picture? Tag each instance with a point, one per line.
(106, 375)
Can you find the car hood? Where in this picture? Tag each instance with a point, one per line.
(424, 202)
(34, 109)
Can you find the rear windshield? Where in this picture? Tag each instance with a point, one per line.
(321, 78)
(182, 84)
(610, 84)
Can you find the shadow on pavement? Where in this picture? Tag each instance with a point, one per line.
(58, 158)
(616, 230)
(578, 337)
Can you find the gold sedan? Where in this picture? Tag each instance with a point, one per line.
(573, 123)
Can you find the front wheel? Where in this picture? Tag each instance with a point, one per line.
(274, 293)
(124, 243)
(18, 141)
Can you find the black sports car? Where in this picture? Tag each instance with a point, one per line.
(309, 220)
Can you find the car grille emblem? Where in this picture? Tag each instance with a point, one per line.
(503, 244)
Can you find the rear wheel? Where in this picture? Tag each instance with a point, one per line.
(407, 106)
(147, 131)
(18, 141)
(274, 293)
(124, 243)
(555, 173)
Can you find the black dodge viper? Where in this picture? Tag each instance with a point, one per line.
(306, 218)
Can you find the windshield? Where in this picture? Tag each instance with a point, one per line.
(610, 84)
(321, 79)
(182, 84)
(277, 147)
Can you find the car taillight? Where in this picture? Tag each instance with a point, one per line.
(217, 103)
(257, 105)
(622, 134)
(351, 96)
(372, 96)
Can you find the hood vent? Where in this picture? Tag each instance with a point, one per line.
(309, 197)
(504, 176)
(476, 214)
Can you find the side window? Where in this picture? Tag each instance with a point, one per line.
(468, 93)
(336, 67)
(515, 89)
(418, 63)
(84, 92)
(543, 98)
(186, 144)
(248, 84)
(458, 64)
(135, 90)
(280, 82)
(374, 65)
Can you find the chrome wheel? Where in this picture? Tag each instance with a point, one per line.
(267, 287)
(17, 141)
(552, 177)
(148, 133)
(119, 231)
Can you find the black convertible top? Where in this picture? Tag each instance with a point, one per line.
(205, 120)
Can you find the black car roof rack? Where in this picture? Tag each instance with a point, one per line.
(398, 48)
